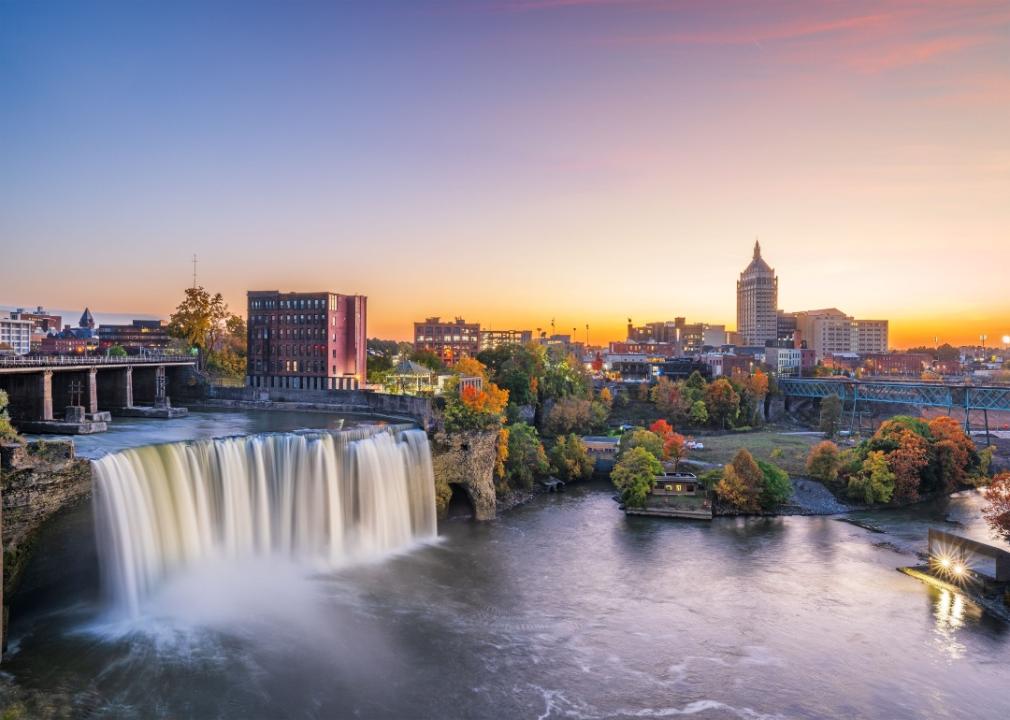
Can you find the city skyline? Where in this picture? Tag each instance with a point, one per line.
(511, 162)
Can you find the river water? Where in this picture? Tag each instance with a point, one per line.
(563, 608)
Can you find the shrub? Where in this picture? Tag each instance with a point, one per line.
(570, 458)
(823, 462)
(741, 483)
(777, 488)
(874, 483)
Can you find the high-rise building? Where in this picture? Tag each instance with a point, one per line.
(451, 341)
(308, 341)
(830, 331)
(757, 300)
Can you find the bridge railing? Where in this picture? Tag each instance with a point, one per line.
(62, 360)
(966, 397)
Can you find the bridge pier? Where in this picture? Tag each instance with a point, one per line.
(30, 394)
(150, 393)
(79, 387)
(116, 389)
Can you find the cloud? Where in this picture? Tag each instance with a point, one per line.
(915, 53)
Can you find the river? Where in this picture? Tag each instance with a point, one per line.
(563, 608)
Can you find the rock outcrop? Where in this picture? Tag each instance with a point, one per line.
(37, 480)
(468, 460)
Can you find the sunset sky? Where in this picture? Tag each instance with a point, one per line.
(513, 160)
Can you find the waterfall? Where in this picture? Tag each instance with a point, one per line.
(321, 498)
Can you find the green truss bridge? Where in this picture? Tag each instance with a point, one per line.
(966, 398)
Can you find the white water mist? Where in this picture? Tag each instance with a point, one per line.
(325, 499)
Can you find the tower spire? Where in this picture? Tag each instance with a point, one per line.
(757, 249)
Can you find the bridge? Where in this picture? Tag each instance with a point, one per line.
(948, 397)
(91, 389)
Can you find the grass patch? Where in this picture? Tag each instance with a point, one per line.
(789, 452)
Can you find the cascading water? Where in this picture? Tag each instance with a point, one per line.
(326, 499)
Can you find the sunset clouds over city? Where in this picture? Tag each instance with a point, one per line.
(513, 162)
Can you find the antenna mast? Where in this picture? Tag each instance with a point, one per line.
(194, 271)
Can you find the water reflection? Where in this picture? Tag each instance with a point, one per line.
(949, 614)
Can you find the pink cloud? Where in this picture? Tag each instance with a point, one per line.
(914, 53)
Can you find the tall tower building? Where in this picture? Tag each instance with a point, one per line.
(757, 301)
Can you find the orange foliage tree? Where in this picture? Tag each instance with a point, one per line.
(997, 509)
(954, 450)
(907, 462)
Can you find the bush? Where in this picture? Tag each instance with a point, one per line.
(874, 483)
(570, 458)
(634, 475)
(777, 487)
(741, 483)
(823, 462)
(7, 431)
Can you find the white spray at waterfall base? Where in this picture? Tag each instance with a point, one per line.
(208, 522)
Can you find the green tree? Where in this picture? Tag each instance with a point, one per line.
(634, 475)
(429, 359)
(7, 431)
(823, 462)
(722, 402)
(831, 415)
(526, 457)
(699, 413)
(571, 459)
(640, 437)
(694, 387)
(117, 351)
(874, 483)
(776, 488)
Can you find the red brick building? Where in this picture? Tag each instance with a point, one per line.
(308, 341)
(451, 341)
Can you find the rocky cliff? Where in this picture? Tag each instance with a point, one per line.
(468, 460)
(37, 479)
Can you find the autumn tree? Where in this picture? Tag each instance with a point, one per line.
(722, 402)
(571, 459)
(831, 415)
(907, 461)
(674, 444)
(634, 475)
(823, 462)
(200, 320)
(955, 451)
(470, 367)
(669, 400)
(607, 398)
(757, 385)
(471, 408)
(573, 414)
(741, 483)
(997, 508)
